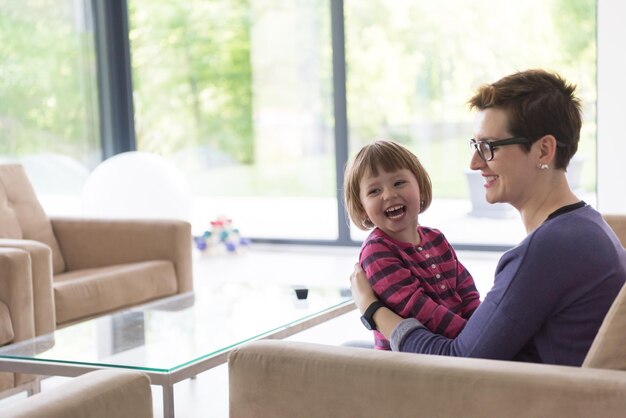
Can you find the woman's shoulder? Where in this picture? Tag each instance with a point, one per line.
(578, 227)
(573, 230)
(573, 238)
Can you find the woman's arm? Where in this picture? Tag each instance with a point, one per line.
(491, 332)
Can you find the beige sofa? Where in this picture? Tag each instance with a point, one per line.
(54, 272)
(290, 379)
(98, 394)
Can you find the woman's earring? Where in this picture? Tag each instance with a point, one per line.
(544, 166)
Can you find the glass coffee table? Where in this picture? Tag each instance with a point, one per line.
(178, 337)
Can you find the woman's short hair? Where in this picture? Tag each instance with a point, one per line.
(537, 103)
(383, 155)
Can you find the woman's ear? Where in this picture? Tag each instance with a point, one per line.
(547, 149)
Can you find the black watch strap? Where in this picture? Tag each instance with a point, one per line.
(367, 318)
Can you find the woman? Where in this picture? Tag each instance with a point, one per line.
(552, 291)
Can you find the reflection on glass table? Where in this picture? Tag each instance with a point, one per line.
(178, 337)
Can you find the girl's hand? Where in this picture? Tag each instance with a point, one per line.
(362, 292)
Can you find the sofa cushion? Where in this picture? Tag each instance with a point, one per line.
(608, 350)
(6, 325)
(98, 394)
(21, 214)
(84, 293)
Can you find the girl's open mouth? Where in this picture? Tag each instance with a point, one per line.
(395, 211)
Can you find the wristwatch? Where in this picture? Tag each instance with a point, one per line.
(367, 317)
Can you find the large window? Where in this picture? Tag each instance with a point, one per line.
(412, 66)
(245, 98)
(48, 96)
(238, 94)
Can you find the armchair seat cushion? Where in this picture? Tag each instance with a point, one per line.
(6, 325)
(83, 293)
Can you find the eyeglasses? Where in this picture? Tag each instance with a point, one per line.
(485, 148)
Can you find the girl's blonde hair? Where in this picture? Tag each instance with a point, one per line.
(388, 156)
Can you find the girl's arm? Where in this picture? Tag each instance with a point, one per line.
(386, 320)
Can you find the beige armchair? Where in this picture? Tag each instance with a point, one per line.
(291, 379)
(66, 270)
(98, 394)
(86, 267)
(16, 310)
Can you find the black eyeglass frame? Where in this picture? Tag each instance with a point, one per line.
(492, 145)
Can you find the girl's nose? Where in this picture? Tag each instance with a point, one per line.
(388, 193)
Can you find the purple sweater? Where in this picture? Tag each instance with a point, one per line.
(549, 297)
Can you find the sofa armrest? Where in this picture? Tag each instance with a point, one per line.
(87, 243)
(98, 394)
(16, 291)
(41, 271)
(291, 379)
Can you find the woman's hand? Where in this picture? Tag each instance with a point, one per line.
(362, 292)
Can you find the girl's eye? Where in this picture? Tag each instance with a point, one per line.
(400, 182)
(372, 192)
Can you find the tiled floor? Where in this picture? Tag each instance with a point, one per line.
(207, 394)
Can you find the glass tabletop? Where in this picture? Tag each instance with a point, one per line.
(171, 333)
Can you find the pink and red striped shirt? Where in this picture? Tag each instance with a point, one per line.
(426, 282)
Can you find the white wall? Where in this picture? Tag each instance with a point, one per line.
(611, 114)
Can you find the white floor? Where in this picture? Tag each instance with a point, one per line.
(207, 394)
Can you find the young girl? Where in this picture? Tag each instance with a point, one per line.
(413, 269)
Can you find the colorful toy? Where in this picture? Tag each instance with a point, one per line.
(222, 236)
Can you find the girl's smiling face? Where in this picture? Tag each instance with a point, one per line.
(392, 202)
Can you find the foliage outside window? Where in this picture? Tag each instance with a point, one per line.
(48, 101)
(412, 65)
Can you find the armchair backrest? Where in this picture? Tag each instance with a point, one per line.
(21, 214)
(618, 225)
(608, 350)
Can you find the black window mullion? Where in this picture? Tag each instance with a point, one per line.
(117, 126)
(340, 113)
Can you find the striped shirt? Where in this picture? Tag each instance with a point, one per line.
(425, 282)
